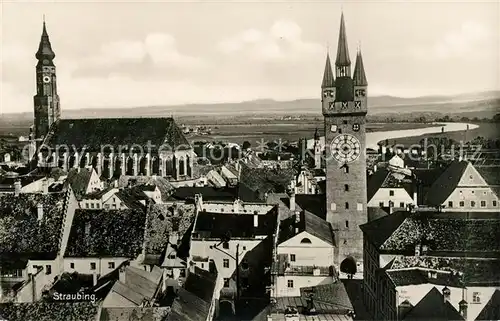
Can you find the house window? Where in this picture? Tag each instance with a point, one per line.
(450, 204)
(86, 205)
(92, 266)
(402, 204)
(106, 206)
(381, 204)
(292, 257)
(97, 205)
(483, 203)
(462, 203)
(346, 187)
(111, 265)
(225, 245)
(182, 273)
(494, 203)
(244, 248)
(202, 265)
(347, 224)
(346, 205)
(72, 265)
(226, 282)
(391, 193)
(225, 263)
(48, 269)
(290, 283)
(472, 204)
(92, 205)
(476, 298)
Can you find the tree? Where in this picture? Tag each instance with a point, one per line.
(246, 145)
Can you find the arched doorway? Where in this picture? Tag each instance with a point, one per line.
(348, 266)
(226, 310)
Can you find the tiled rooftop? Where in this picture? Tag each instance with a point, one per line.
(108, 233)
(475, 270)
(162, 219)
(21, 235)
(94, 133)
(480, 236)
(217, 225)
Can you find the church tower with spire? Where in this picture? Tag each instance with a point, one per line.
(344, 108)
(46, 100)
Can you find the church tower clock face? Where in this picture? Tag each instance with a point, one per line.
(345, 148)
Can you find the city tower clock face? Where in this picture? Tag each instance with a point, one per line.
(345, 148)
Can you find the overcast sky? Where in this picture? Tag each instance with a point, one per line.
(119, 54)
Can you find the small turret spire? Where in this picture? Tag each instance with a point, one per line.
(359, 77)
(316, 134)
(328, 79)
(45, 48)
(342, 49)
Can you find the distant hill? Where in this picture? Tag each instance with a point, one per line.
(484, 103)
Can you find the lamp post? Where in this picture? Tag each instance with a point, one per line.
(216, 247)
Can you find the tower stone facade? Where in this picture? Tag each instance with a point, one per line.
(46, 100)
(344, 107)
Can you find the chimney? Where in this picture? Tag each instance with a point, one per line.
(292, 200)
(173, 238)
(462, 308)
(297, 221)
(446, 294)
(417, 249)
(122, 272)
(256, 220)
(236, 206)
(198, 202)
(94, 278)
(17, 188)
(45, 186)
(39, 211)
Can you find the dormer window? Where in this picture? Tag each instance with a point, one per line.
(305, 241)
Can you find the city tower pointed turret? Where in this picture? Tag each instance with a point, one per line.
(328, 79)
(359, 76)
(45, 48)
(342, 49)
(46, 101)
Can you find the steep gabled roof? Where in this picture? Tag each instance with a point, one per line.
(92, 134)
(379, 230)
(433, 307)
(309, 223)
(491, 310)
(446, 183)
(79, 181)
(106, 233)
